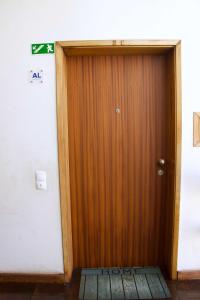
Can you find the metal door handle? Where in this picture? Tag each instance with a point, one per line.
(161, 167)
(161, 162)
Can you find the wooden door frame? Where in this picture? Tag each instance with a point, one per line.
(123, 47)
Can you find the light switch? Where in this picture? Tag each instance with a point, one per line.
(40, 180)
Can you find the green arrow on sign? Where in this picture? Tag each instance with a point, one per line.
(45, 48)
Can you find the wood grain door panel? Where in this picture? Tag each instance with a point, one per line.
(117, 133)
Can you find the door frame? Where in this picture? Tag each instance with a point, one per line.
(109, 47)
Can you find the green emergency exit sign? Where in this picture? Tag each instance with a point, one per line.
(45, 48)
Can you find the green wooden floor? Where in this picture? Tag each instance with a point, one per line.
(122, 283)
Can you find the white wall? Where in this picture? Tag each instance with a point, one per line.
(30, 230)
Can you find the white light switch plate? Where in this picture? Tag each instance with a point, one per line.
(40, 180)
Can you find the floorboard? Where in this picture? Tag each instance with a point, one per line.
(180, 290)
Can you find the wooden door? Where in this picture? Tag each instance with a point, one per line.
(117, 134)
